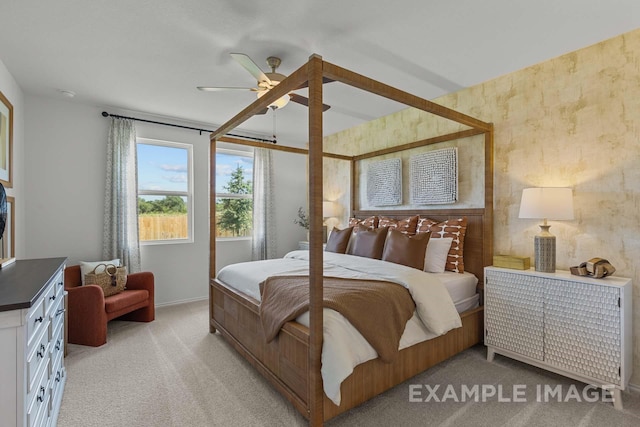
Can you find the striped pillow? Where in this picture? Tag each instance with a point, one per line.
(454, 228)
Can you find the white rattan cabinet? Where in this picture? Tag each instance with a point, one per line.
(575, 326)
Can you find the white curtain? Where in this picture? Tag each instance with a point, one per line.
(264, 227)
(121, 196)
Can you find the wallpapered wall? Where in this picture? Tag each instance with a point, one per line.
(570, 121)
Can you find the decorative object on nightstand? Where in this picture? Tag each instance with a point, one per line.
(510, 261)
(546, 203)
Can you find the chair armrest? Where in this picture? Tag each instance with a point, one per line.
(143, 281)
(89, 297)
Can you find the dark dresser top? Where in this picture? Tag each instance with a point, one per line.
(22, 282)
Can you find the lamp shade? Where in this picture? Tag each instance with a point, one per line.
(547, 202)
(278, 103)
(329, 209)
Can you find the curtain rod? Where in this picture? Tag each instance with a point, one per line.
(105, 114)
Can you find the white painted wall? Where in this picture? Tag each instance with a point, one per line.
(65, 152)
(14, 94)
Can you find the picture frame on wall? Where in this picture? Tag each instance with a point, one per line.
(8, 249)
(6, 141)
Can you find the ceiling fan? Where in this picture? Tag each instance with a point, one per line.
(266, 82)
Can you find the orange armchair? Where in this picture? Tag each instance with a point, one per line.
(89, 310)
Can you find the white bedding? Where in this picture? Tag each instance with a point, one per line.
(343, 346)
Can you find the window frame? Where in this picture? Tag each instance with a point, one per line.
(188, 194)
(242, 153)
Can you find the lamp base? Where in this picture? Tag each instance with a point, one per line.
(545, 251)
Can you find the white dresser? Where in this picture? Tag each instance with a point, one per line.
(32, 373)
(575, 326)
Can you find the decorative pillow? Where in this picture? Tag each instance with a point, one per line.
(338, 240)
(455, 228)
(370, 243)
(371, 222)
(87, 267)
(437, 253)
(352, 240)
(406, 250)
(405, 226)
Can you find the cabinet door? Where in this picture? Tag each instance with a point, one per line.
(582, 329)
(514, 313)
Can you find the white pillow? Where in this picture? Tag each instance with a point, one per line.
(87, 267)
(436, 257)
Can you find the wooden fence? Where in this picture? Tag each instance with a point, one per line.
(163, 227)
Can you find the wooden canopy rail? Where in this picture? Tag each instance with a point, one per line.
(312, 74)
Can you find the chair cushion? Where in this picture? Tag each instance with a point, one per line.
(124, 299)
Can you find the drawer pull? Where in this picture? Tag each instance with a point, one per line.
(39, 319)
(41, 352)
(59, 312)
(58, 376)
(52, 298)
(41, 394)
(58, 345)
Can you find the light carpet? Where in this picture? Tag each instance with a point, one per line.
(172, 372)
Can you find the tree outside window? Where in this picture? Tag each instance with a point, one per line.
(234, 194)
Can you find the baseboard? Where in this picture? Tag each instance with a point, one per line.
(183, 301)
(634, 388)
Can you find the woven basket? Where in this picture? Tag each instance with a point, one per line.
(111, 279)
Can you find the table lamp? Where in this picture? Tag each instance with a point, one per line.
(546, 203)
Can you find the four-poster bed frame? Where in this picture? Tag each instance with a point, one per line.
(293, 362)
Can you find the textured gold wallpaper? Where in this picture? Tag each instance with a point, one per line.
(571, 121)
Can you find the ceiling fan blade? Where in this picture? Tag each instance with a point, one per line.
(306, 84)
(299, 99)
(251, 67)
(221, 88)
(264, 111)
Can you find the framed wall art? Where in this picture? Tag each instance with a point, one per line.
(6, 141)
(8, 249)
(434, 177)
(384, 183)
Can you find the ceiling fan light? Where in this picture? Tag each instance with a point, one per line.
(278, 103)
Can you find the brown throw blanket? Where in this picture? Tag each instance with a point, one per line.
(378, 310)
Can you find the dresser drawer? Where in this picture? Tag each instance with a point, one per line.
(36, 320)
(37, 361)
(57, 315)
(56, 347)
(49, 297)
(38, 409)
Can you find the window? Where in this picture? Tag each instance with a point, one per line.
(234, 193)
(165, 191)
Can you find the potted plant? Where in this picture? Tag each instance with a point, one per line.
(302, 220)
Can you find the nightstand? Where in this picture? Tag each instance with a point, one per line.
(576, 326)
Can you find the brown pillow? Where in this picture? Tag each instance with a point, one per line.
(405, 226)
(338, 240)
(455, 228)
(370, 243)
(406, 250)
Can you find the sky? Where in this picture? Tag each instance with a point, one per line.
(162, 168)
(165, 168)
(226, 163)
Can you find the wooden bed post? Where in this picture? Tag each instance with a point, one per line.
(212, 228)
(316, 392)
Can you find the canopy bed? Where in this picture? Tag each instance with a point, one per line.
(292, 363)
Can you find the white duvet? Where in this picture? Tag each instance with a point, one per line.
(343, 346)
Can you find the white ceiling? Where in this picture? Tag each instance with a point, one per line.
(149, 55)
